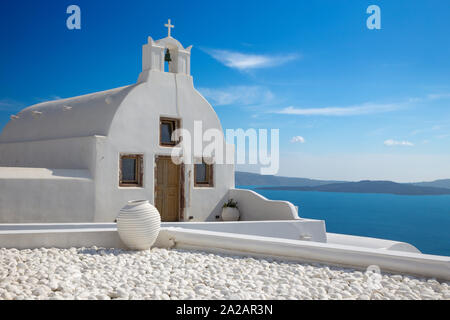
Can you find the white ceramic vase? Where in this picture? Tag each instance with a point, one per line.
(138, 224)
(230, 214)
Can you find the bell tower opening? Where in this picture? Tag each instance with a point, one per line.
(167, 61)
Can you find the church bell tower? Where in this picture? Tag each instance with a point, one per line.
(156, 53)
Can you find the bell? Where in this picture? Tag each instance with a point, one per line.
(167, 56)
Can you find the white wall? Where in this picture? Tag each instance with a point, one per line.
(70, 153)
(253, 206)
(300, 229)
(366, 242)
(59, 236)
(135, 129)
(48, 181)
(34, 194)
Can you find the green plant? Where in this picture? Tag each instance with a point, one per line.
(230, 204)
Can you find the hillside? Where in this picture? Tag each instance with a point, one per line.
(442, 183)
(367, 186)
(253, 179)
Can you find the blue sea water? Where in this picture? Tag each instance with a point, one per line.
(423, 221)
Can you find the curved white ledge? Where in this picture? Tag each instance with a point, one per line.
(255, 207)
(367, 242)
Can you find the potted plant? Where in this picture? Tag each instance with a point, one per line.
(230, 211)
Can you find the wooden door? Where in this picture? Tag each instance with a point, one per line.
(167, 189)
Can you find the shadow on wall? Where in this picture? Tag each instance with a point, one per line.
(71, 173)
(217, 211)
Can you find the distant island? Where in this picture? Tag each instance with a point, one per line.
(253, 179)
(438, 187)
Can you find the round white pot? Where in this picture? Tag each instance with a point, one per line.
(138, 224)
(230, 214)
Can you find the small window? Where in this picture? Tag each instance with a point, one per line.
(203, 175)
(131, 170)
(167, 127)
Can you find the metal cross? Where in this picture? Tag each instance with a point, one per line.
(169, 26)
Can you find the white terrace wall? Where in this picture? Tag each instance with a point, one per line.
(298, 229)
(50, 195)
(70, 153)
(48, 180)
(254, 207)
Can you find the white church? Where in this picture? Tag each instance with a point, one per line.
(81, 159)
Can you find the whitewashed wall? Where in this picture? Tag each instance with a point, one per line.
(44, 195)
(135, 129)
(70, 153)
(254, 207)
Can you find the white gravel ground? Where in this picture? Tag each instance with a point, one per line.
(95, 273)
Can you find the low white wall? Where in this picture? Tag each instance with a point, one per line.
(253, 206)
(61, 238)
(366, 242)
(51, 195)
(10, 228)
(300, 229)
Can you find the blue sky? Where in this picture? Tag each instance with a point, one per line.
(351, 103)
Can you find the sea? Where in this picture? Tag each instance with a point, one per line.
(423, 221)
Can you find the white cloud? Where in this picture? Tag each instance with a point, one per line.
(438, 96)
(238, 95)
(430, 97)
(391, 143)
(443, 136)
(298, 139)
(360, 109)
(244, 61)
(366, 108)
(427, 130)
(8, 104)
(4, 104)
